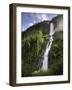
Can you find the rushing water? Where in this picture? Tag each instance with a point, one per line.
(48, 47)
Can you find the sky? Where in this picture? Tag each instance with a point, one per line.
(29, 19)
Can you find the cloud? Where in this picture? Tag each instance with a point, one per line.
(44, 17)
(29, 19)
(41, 17)
(30, 24)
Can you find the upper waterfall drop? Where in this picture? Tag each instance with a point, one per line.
(51, 29)
(48, 47)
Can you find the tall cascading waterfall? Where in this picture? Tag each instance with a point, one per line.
(48, 47)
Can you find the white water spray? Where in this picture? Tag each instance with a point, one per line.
(48, 47)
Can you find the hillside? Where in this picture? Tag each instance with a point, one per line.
(41, 26)
(56, 54)
(34, 41)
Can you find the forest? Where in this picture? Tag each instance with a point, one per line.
(33, 48)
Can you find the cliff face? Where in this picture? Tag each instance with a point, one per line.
(58, 23)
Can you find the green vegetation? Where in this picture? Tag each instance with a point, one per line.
(32, 51)
(33, 47)
(55, 58)
(56, 54)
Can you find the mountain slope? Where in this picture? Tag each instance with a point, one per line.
(34, 41)
(42, 26)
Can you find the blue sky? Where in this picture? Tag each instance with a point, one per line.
(29, 19)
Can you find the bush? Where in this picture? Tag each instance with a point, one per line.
(32, 49)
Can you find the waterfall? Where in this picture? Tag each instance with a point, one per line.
(48, 47)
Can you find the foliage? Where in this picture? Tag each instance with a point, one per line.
(31, 51)
(55, 69)
(56, 54)
(33, 46)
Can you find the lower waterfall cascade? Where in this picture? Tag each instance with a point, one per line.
(48, 47)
